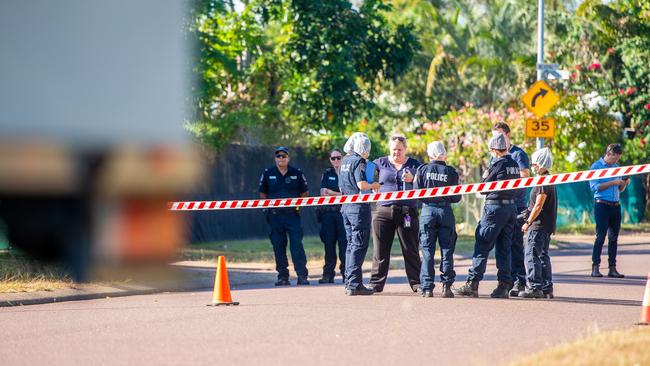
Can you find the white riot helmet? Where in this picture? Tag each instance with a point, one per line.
(436, 150)
(543, 158)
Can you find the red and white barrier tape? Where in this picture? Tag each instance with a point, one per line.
(543, 180)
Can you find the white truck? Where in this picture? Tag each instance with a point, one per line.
(93, 97)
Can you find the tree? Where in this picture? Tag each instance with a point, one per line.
(302, 70)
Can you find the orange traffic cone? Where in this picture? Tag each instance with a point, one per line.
(221, 293)
(645, 307)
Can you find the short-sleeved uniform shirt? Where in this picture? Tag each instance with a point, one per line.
(371, 174)
(391, 179)
(611, 194)
(519, 155)
(330, 180)
(503, 168)
(276, 185)
(437, 174)
(352, 171)
(546, 219)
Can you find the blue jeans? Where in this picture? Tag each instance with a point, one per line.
(608, 222)
(281, 225)
(356, 220)
(437, 223)
(494, 230)
(539, 274)
(517, 252)
(331, 232)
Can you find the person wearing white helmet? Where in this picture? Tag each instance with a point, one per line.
(539, 226)
(437, 221)
(496, 226)
(356, 216)
(517, 247)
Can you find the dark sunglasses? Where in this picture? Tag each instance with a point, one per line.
(332, 158)
(281, 156)
(398, 138)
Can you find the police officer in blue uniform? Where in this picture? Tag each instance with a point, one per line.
(356, 216)
(331, 229)
(285, 181)
(518, 270)
(495, 229)
(437, 221)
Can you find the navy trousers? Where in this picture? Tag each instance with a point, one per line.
(283, 224)
(517, 252)
(356, 220)
(539, 274)
(332, 231)
(608, 222)
(494, 230)
(437, 223)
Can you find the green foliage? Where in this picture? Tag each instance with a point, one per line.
(292, 71)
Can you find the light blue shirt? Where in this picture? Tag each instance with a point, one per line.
(610, 194)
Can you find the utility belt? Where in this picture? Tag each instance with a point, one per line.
(330, 208)
(282, 211)
(437, 204)
(500, 202)
(608, 203)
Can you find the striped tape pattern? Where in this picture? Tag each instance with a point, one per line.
(543, 180)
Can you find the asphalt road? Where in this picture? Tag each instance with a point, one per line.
(320, 325)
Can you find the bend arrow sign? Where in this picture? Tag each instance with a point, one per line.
(540, 98)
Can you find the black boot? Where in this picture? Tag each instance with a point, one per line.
(282, 282)
(517, 288)
(469, 289)
(326, 279)
(302, 281)
(501, 292)
(548, 293)
(359, 291)
(531, 294)
(446, 291)
(614, 273)
(595, 271)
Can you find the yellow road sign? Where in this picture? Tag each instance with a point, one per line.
(540, 98)
(543, 128)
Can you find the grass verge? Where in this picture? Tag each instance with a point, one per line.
(590, 229)
(260, 250)
(623, 347)
(20, 274)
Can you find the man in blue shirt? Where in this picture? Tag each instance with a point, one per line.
(607, 210)
(517, 247)
(285, 181)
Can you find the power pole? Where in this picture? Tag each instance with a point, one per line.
(540, 52)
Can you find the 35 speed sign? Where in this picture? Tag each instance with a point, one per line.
(542, 128)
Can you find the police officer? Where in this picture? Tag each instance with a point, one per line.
(495, 229)
(607, 211)
(285, 181)
(331, 229)
(356, 216)
(517, 154)
(437, 221)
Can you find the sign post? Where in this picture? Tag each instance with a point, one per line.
(540, 51)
